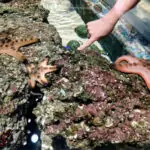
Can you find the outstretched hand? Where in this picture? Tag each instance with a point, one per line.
(97, 29)
(102, 27)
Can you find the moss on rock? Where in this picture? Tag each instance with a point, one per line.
(9, 10)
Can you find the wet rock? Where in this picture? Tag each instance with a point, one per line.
(5, 1)
(21, 20)
(86, 99)
(29, 8)
(11, 127)
(88, 102)
(12, 75)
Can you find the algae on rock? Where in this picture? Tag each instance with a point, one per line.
(81, 31)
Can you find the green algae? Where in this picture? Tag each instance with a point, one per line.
(73, 45)
(81, 31)
(7, 10)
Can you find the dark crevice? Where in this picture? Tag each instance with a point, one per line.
(5, 1)
(33, 96)
(59, 143)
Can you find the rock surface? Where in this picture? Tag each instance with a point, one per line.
(20, 20)
(89, 104)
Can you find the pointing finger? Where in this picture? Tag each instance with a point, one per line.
(86, 44)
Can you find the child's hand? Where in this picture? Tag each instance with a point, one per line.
(102, 27)
(97, 29)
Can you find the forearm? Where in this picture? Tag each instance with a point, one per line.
(103, 26)
(120, 7)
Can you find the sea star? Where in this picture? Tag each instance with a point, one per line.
(130, 64)
(11, 47)
(38, 73)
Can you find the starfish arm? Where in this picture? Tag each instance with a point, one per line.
(146, 77)
(31, 83)
(15, 54)
(128, 58)
(44, 63)
(39, 74)
(30, 67)
(49, 69)
(23, 42)
(52, 67)
(43, 78)
(139, 69)
(40, 80)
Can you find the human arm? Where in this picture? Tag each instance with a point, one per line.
(102, 27)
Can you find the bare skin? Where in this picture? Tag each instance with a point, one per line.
(102, 27)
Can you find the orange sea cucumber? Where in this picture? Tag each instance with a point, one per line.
(130, 64)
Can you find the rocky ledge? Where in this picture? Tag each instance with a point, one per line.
(20, 20)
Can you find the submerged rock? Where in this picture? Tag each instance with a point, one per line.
(73, 45)
(81, 31)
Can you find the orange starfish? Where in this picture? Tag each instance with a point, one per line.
(130, 64)
(11, 47)
(38, 73)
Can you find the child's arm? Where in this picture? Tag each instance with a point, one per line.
(102, 27)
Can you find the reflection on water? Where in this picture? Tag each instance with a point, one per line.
(143, 10)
